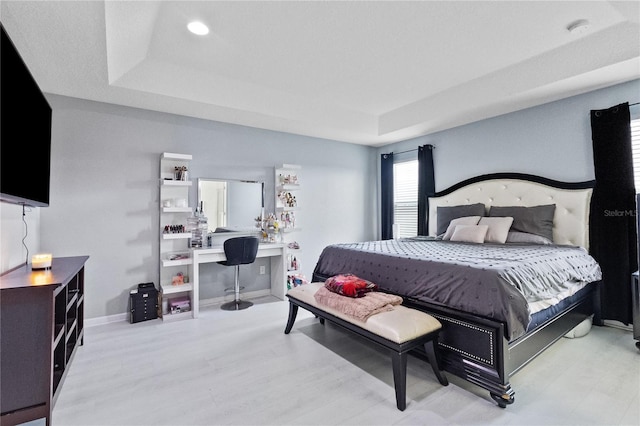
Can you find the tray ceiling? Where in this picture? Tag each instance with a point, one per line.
(355, 71)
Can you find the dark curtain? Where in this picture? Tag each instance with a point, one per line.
(386, 195)
(612, 232)
(426, 185)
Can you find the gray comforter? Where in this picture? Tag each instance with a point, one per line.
(491, 280)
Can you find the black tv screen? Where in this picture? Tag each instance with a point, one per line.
(25, 132)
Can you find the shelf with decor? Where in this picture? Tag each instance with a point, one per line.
(176, 210)
(175, 251)
(170, 317)
(176, 236)
(288, 187)
(166, 263)
(167, 181)
(288, 208)
(294, 229)
(172, 289)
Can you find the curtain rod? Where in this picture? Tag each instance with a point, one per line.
(404, 152)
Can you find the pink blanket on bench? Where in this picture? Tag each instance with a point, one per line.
(359, 308)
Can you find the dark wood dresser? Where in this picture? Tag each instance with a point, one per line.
(41, 325)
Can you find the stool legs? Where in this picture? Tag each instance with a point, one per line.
(236, 304)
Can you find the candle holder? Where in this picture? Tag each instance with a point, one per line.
(41, 261)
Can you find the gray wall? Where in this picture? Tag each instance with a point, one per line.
(552, 140)
(13, 229)
(104, 189)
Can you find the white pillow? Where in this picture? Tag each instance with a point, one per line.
(470, 233)
(467, 220)
(498, 229)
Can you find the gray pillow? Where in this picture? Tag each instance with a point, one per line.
(446, 214)
(536, 220)
(523, 237)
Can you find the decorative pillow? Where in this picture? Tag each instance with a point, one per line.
(446, 214)
(468, 220)
(523, 237)
(470, 233)
(536, 220)
(349, 285)
(498, 228)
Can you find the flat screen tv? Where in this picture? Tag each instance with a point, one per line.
(25, 132)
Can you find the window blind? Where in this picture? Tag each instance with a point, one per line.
(635, 151)
(405, 198)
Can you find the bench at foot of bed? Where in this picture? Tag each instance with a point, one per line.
(400, 330)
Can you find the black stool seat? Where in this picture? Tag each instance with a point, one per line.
(239, 251)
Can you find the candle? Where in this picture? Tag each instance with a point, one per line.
(41, 261)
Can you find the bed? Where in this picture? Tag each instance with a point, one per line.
(501, 302)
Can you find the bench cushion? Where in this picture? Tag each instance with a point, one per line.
(400, 325)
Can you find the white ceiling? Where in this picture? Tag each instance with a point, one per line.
(355, 71)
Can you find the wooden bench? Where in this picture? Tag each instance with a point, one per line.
(399, 330)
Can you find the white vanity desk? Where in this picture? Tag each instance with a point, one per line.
(216, 254)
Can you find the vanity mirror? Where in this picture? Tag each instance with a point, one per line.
(231, 205)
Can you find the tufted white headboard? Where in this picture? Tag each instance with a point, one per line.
(571, 219)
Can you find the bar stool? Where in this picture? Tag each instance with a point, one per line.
(239, 251)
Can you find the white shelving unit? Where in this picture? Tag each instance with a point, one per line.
(288, 205)
(175, 208)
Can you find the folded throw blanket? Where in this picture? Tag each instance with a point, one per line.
(359, 308)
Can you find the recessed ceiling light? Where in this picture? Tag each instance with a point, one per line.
(198, 28)
(578, 27)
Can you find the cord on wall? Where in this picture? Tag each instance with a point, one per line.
(26, 232)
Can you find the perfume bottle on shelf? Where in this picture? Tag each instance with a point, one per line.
(198, 226)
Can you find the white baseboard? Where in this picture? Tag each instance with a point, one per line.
(94, 322)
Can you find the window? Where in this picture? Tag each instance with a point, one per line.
(635, 151)
(405, 198)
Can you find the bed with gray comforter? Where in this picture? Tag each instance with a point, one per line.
(497, 281)
(501, 303)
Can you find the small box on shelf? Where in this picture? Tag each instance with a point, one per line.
(179, 305)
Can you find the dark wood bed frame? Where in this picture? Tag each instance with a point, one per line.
(475, 348)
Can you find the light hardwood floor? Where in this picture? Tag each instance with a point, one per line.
(239, 368)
